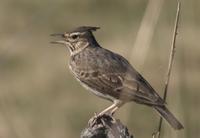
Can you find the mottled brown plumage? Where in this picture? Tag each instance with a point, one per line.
(109, 75)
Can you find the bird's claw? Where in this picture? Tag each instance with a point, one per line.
(156, 134)
(99, 118)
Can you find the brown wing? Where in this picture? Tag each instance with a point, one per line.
(140, 90)
(106, 84)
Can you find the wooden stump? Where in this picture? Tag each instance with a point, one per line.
(105, 127)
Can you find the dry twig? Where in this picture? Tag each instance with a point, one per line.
(173, 46)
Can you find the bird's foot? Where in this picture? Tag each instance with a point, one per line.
(156, 134)
(99, 118)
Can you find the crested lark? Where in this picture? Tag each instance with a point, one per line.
(109, 75)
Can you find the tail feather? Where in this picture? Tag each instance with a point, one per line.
(169, 117)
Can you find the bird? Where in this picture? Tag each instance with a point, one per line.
(108, 74)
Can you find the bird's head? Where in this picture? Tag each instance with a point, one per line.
(77, 39)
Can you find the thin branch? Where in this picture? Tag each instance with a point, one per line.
(173, 46)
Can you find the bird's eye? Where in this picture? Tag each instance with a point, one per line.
(74, 36)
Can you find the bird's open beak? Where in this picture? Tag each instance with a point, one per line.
(58, 42)
(60, 35)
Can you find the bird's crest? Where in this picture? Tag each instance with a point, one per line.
(84, 29)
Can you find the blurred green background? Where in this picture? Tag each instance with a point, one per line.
(39, 98)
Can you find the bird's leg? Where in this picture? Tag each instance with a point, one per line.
(104, 112)
(111, 108)
(117, 107)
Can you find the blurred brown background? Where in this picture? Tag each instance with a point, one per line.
(39, 98)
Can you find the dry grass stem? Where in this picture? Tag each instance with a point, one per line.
(171, 58)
